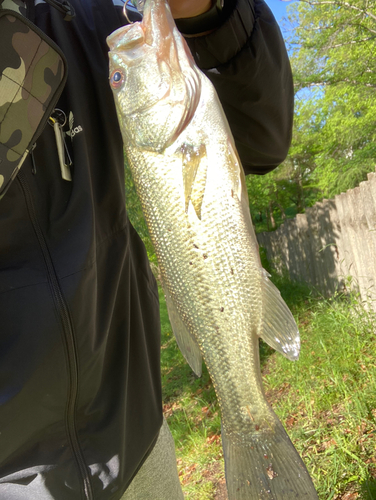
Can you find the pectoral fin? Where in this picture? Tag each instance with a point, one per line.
(195, 168)
(185, 340)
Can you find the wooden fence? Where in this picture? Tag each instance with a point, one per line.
(332, 246)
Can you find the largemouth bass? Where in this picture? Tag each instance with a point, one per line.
(192, 189)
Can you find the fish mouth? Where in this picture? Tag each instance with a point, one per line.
(156, 26)
(126, 37)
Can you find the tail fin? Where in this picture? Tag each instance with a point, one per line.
(265, 467)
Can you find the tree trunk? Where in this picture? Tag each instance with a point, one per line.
(271, 215)
(300, 195)
(283, 215)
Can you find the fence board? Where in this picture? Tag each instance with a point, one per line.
(332, 246)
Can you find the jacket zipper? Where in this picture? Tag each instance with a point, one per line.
(70, 348)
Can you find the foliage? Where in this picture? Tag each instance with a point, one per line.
(332, 46)
(280, 194)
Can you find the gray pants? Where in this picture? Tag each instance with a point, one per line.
(158, 477)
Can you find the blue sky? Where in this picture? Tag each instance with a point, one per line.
(278, 8)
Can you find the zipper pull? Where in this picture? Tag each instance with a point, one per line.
(33, 167)
(62, 150)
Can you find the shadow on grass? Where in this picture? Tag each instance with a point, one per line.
(368, 489)
(181, 379)
(265, 353)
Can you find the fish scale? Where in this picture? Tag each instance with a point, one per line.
(190, 182)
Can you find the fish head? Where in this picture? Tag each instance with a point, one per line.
(152, 98)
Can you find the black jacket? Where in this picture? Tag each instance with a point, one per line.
(80, 391)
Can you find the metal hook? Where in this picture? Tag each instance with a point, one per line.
(138, 5)
(59, 116)
(125, 12)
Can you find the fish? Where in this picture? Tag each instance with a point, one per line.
(191, 185)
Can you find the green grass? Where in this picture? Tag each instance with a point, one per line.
(326, 400)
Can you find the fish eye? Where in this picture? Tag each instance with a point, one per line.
(117, 78)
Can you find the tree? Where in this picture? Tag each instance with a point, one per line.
(272, 194)
(332, 44)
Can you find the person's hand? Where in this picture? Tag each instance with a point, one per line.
(189, 8)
